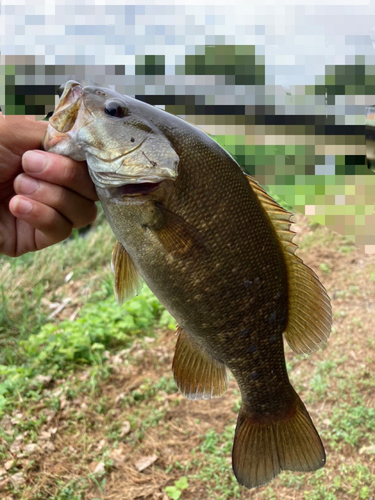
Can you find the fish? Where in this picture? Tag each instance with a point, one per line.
(217, 251)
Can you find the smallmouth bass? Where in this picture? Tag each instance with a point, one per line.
(217, 251)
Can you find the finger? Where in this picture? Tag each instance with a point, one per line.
(51, 227)
(23, 132)
(60, 170)
(78, 210)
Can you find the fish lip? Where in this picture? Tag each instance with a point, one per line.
(112, 180)
(70, 103)
(70, 120)
(72, 92)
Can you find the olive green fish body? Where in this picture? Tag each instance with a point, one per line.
(237, 302)
(217, 252)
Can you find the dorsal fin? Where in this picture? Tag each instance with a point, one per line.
(127, 280)
(280, 217)
(309, 310)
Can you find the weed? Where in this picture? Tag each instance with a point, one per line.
(346, 249)
(320, 386)
(354, 289)
(73, 490)
(214, 468)
(290, 479)
(175, 492)
(351, 422)
(357, 321)
(325, 267)
(31, 281)
(99, 327)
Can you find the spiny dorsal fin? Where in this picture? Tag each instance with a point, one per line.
(127, 280)
(309, 312)
(280, 217)
(197, 374)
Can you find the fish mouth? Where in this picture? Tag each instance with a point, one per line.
(113, 180)
(139, 189)
(119, 185)
(69, 116)
(66, 114)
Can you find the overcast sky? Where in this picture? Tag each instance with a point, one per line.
(297, 38)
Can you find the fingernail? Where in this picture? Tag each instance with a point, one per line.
(34, 161)
(27, 185)
(22, 206)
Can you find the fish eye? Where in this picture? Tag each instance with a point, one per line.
(115, 108)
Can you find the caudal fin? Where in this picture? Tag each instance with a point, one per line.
(262, 449)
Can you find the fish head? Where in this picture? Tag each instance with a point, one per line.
(116, 135)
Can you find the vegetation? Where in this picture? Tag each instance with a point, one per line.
(87, 398)
(238, 63)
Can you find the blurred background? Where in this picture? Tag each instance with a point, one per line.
(283, 86)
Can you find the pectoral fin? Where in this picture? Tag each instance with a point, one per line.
(127, 280)
(176, 235)
(197, 374)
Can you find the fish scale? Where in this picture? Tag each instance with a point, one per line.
(218, 253)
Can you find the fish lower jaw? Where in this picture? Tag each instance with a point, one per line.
(131, 193)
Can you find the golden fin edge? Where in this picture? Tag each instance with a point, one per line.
(197, 374)
(127, 281)
(310, 311)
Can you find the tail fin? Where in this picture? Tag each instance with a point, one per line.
(262, 449)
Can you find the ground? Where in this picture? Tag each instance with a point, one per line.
(117, 428)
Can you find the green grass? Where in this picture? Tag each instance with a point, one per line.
(59, 348)
(212, 458)
(174, 492)
(351, 423)
(28, 284)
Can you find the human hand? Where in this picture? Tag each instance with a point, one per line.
(39, 205)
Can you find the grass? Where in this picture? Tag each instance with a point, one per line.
(213, 464)
(34, 285)
(89, 391)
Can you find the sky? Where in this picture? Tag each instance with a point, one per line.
(297, 38)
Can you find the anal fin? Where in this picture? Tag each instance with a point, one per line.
(264, 447)
(197, 374)
(127, 280)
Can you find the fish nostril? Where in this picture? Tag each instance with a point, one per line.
(132, 139)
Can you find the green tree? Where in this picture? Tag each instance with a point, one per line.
(238, 63)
